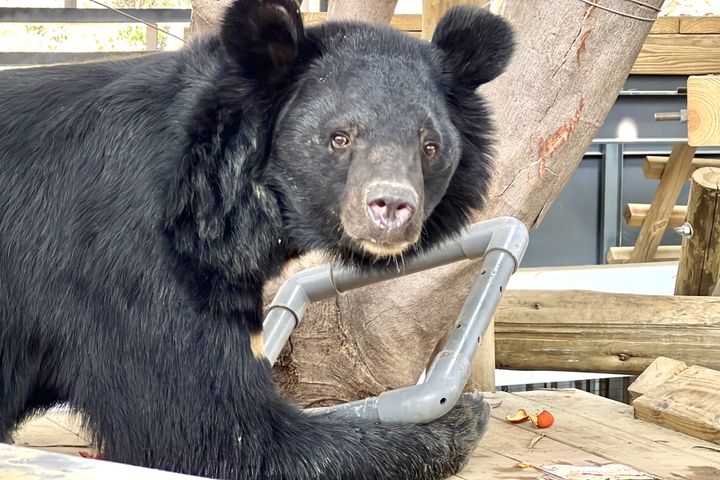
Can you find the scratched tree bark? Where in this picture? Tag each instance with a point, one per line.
(571, 62)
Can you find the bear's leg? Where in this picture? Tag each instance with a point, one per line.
(211, 409)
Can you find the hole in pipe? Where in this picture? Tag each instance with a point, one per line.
(442, 401)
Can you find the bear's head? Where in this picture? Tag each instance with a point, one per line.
(380, 144)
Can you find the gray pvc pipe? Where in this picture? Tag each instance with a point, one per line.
(502, 241)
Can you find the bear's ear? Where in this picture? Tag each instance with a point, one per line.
(477, 44)
(263, 36)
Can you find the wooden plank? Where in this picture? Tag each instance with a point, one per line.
(653, 167)
(677, 171)
(709, 24)
(659, 371)
(699, 266)
(686, 403)
(504, 446)
(405, 22)
(19, 463)
(635, 214)
(664, 253)
(703, 106)
(604, 332)
(577, 429)
(622, 417)
(677, 54)
(665, 25)
(59, 432)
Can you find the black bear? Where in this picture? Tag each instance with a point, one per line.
(145, 202)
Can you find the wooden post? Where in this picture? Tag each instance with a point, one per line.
(433, 10)
(676, 173)
(700, 256)
(151, 38)
(703, 101)
(482, 376)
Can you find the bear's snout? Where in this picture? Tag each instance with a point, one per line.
(385, 218)
(390, 206)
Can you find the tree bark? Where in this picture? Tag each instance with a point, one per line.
(372, 11)
(571, 61)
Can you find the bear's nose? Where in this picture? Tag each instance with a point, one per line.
(391, 206)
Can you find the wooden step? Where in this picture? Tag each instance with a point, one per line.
(635, 214)
(665, 253)
(654, 167)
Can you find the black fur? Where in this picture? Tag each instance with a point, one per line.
(144, 203)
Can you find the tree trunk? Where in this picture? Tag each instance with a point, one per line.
(571, 61)
(373, 11)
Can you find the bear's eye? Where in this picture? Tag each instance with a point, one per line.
(340, 141)
(430, 149)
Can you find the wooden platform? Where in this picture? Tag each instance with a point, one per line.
(588, 431)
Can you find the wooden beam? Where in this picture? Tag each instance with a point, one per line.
(665, 25)
(699, 265)
(635, 214)
(703, 106)
(604, 332)
(678, 55)
(710, 24)
(664, 253)
(676, 173)
(653, 167)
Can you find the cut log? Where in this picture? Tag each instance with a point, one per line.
(676, 173)
(653, 167)
(703, 106)
(635, 214)
(699, 265)
(664, 253)
(604, 332)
